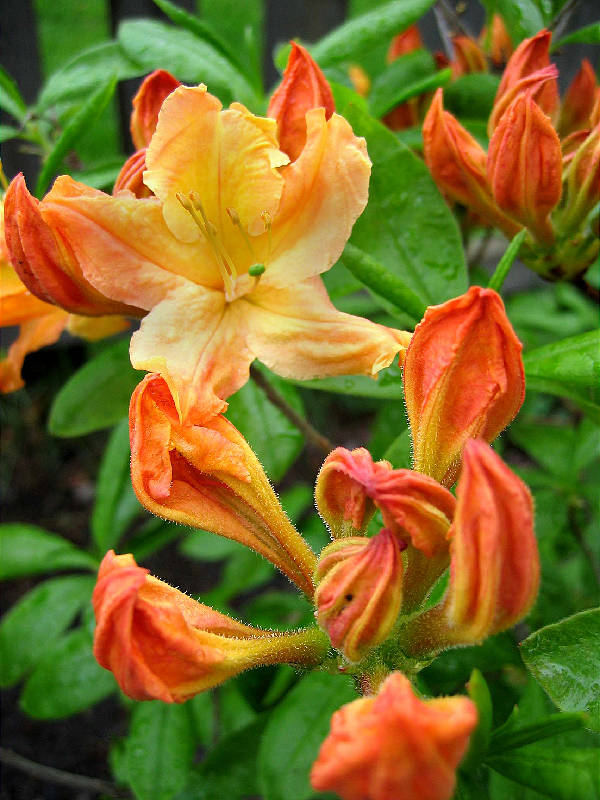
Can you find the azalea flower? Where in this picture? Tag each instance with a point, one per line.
(227, 252)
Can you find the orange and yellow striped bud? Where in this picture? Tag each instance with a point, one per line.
(527, 68)
(155, 88)
(303, 88)
(359, 591)
(578, 103)
(463, 378)
(45, 262)
(207, 476)
(458, 165)
(160, 644)
(494, 563)
(131, 176)
(525, 166)
(395, 745)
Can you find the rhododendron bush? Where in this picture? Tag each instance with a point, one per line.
(334, 335)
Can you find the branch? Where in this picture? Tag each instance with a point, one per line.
(59, 776)
(311, 434)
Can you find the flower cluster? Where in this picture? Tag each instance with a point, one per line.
(220, 225)
(542, 168)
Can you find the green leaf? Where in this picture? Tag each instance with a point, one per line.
(588, 35)
(295, 732)
(11, 99)
(79, 124)
(116, 505)
(565, 660)
(241, 24)
(522, 17)
(29, 550)
(229, 770)
(559, 772)
(508, 737)
(67, 680)
(36, 621)
(101, 176)
(480, 738)
(160, 749)
(382, 282)
(512, 251)
(472, 95)
(407, 225)
(568, 368)
(389, 88)
(153, 535)
(154, 44)
(84, 73)
(399, 452)
(356, 385)
(364, 32)
(276, 441)
(97, 396)
(8, 132)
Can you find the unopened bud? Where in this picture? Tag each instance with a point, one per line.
(359, 591)
(578, 103)
(582, 181)
(463, 378)
(497, 42)
(147, 103)
(303, 88)
(406, 42)
(525, 166)
(468, 57)
(131, 176)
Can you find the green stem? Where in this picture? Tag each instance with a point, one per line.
(497, 280)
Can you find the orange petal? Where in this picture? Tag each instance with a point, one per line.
(207, 476)
(463, 378)
(154, 89)
(33, 334)
(131, 176)
(298, 333)
(94, 328)
(325, 191)
(403, 43)
(161, 644)
(395, 745)
(500, 44)
(578, 103)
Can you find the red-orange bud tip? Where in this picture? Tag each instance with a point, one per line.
(578, 103)
(147, 103)
(303, 88)
(403, 43)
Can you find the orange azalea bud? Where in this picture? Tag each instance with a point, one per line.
(531, 84)
(45, 263)
(578, 103)
(498, 43)
(394, 745)
(131, 176)
(531, 56)
(571, 144)
(359, 591)
(160, 644)
(463, 378)
(582, 181)
(208, 477)
(413, 506)
(494, 564)
(468, 57)
(405, 42)
(458, 165)
(303, 87)
(146, 105)
(525, 166)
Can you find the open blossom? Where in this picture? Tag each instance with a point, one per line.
(207, 476)
(225, 256)
(359, 591)
(463, 378)
(395, 746)
(160, 644)
(494, 562)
